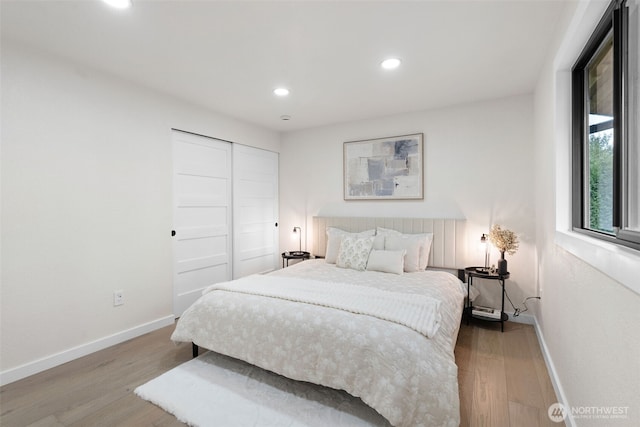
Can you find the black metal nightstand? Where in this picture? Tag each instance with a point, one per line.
(294, 255)
(481, 273)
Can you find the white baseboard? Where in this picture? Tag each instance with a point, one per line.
(31, 368)
(553, 374)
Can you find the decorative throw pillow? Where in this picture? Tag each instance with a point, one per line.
(425, 239)
(334, 237)
(412, 248)
(354, 252)
(386, 261)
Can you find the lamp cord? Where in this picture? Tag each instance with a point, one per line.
(516, 310)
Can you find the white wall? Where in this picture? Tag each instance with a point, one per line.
(478, 166)
(588, 320)
(87, 206)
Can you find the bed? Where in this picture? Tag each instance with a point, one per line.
(385, 337)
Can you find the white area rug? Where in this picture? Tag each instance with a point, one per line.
(215, 390)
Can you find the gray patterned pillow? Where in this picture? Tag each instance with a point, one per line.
(334, 237)
(354, 252)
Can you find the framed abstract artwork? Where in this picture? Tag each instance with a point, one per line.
(384, 168)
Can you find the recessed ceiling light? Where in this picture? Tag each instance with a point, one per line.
(285, 117)
(118, 4)
(281, 91)
(390, 64)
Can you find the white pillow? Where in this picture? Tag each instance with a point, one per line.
(425, 250)
(378, 242)
(334, 237)
(426, 240)
(354, 252)
(386, 261)
(410, 245)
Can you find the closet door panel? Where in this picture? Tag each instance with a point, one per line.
(202, 245)
(255, 207)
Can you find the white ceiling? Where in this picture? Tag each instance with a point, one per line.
(228, 56)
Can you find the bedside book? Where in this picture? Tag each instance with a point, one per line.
(489, 312)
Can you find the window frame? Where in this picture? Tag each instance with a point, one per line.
(615, 21)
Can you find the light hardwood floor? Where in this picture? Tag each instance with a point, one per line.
(502, 377)
(503, 382)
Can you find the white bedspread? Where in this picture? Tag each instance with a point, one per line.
(418, 312)
(409, 379)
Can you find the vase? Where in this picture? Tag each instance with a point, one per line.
(502, 265)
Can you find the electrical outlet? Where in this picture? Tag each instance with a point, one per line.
(118, 298)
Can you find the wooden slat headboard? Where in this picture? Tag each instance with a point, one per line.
(447, 250)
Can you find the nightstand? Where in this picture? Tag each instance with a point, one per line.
(294, 255)
(480, 273)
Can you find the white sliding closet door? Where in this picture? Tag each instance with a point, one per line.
(255, 207)
(202, 216)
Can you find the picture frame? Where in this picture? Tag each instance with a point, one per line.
(389, 168)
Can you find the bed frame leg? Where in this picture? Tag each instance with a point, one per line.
(194, 350)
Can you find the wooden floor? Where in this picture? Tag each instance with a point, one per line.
(502, 376)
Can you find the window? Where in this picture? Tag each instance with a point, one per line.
(606, 129)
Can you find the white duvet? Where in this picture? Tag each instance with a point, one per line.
(408, 378)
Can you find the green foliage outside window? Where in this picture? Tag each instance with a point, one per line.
(601, 182)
